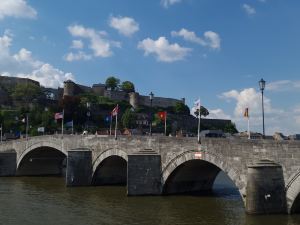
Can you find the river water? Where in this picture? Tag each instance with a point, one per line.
(46, 200)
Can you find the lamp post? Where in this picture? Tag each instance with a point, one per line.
(262, 84)
(151, 95)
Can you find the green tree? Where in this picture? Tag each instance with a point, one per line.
(26, 93)
(127, 86)
(230, 128)
(128, 119)
(181, 108)
(112, 83)
(203, 112)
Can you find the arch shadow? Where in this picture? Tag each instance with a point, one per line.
(110, 168)
(52, 145)
(42, 161)
(194, 172)
(293, 193)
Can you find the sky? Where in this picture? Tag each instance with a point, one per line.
(212, 49)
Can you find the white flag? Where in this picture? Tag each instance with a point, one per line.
(197, 104)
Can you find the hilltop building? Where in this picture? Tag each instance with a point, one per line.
(73, 89)
(134, 98)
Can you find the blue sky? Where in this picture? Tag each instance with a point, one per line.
(217, 50)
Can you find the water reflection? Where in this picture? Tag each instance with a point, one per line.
(39, 200)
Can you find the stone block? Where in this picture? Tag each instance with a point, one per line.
(79, 168)
(265, 191)
(8, 163)
(144, 175)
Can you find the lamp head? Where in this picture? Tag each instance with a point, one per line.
(151, 95)
(262, 84)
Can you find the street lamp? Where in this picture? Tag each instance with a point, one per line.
(262, 84)
(151, 95)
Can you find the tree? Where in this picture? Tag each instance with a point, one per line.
(230, 128)
(129, 119)
(181, 108)
(26, 93)
(203, 112)
(127, 86)
(112, 83)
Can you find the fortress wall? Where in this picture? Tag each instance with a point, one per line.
(10, 82)
(158, 101)
(116, 95)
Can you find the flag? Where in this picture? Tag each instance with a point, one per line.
(246, 113)
(69, 124)
(162, 115)
(59, 115)
(197, 104)
(41, 129)
(107, 119)
(115, 111)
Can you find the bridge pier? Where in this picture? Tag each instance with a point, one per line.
(265, 192)
(144, 175)
(79, 168)
(8, 163)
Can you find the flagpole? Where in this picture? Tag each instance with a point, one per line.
(116, 122)
(72, 127)
(27, 126)
(199, 121)
(62, 123)
(165, 123)
(110, 124)
(249, 136)
(1, 133)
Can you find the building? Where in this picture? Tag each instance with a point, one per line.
(134, 98)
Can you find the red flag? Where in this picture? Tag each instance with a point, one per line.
(59, 115)
(162, 115)
(115, 111)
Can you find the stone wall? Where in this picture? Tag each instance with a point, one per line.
(158, 101)
(233, 156)
(116, 95)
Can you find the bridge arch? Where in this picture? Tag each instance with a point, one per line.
(190, 158)
(293, 193)
(42, 144)
(110, 168)
(42, 158)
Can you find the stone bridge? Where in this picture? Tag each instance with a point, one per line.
(265, 172)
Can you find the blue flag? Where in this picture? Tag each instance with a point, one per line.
(107, 119)
(69, 124)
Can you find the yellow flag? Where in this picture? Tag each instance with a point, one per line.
(246, 113)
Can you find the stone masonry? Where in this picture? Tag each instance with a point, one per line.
(155, 163)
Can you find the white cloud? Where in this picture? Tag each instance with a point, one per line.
(99, 43)
(218, 114)
(283, 85)
(167, 3)
(210, 39)
(77, 44)
(276, 120)
(77, 56)
(247, 98)
(17, 9)
(22, 64)
(125, 25)
(249, 9)
(214, 40)
(164, 51)
(48, 76)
